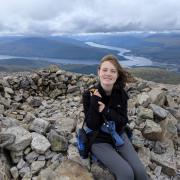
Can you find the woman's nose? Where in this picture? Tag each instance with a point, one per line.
(108, 72)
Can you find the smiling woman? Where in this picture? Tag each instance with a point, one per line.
(108, 75)
(107, 106)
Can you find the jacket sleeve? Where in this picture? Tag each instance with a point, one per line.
(93, 118)
(119, 116)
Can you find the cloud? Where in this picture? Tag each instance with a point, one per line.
(83, 16)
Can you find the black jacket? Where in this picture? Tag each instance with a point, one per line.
(115, 110)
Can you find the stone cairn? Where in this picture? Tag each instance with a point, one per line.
(41, 111)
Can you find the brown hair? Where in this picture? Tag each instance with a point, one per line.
(122, 74)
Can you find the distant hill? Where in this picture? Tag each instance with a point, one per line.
(50, 47)
(21, 64)
(147, 73)
(156, 75)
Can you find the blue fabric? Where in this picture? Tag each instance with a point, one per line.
(88, 130)
(110, 128)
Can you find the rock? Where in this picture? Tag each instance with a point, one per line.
(69, 169)
(7, 122)
(24, 171)
(58, 142)
(144, 155)
(36, 166)
(157, 96)
(47, 174)
(137, 139)
(152, 130)
(39, 125)
(145, 113)
(6, 139)
(72, 89)
(48, 103)
(167, 162)
(157, 171)
(22, 140)
(16, 156)
(21, 164)
(143, 99)
(35, 102)
(159, 112)
(14, 172)
(160, 147)
(65, 125)
(4, 167)
(1, 109)
(39, 143)
(101, 173)
(168, 126)
(56, 92)
(53, 68)
(32, 156)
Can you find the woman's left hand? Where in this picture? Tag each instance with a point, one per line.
(101, 106)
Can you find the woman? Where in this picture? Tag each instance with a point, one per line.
(108, 100)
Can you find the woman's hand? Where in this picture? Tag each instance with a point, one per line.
(101, 106)
(96, 93)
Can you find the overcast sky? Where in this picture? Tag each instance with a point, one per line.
(47, 17)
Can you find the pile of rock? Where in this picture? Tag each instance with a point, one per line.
(40, 113)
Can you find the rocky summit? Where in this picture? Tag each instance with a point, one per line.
(41, 111)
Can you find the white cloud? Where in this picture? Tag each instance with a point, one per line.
(81, 16)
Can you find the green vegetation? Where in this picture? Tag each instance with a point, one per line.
(80, 68)
(156, 75)
(21, 64)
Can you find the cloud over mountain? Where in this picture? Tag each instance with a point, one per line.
(78, 16)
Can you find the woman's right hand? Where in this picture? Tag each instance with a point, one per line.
(95, 98)
(101, 105)
(96, 93)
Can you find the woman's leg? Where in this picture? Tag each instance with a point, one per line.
(128, 152)
(111, 159)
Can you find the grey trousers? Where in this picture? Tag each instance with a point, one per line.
(125, 164)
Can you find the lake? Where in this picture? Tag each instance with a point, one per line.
(132, 60)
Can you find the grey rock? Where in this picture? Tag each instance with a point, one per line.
(24, 171)
(143, 99)
(58, 142)
(159, 112)
(6, 139)
(21, 164)
(167, 162)
(39, 143)
(14, 172)
(36, 166)
(152, 130)
(39, 125)
(16, 156)
(22, 140)
(145, 113)
(32, 156)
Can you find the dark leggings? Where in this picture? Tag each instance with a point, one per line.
(125, 165)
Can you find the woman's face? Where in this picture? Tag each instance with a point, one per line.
(107, 74)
